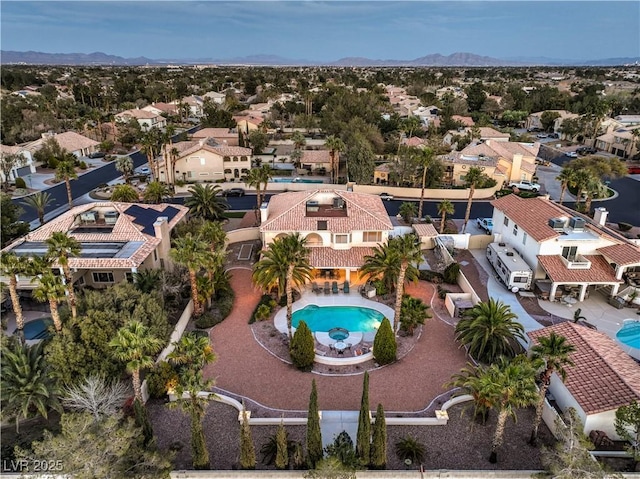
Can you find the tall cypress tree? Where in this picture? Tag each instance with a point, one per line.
(379, 445)
(314, 436)
(384, 343)
(282, 451)
(363, 442)
(247, 449)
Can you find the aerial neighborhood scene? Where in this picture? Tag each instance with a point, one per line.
(317, 240)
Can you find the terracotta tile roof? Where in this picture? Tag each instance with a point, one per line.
(166, 107)
(621, 254)
(138, 114)
(249, 119)
(124, 231)
(600, 271)
(425, 230)
(190, 147)
(323, 257)
(384, 168)
(315, 156)
(487, 132)
(532, 215)
(215, 133)
(603, 377)
(465, 120)
(72, 141)
(413, 141)
(287, 212)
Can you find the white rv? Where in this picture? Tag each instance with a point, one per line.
(513, 271)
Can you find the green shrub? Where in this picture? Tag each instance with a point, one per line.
(52, 163)
(221, 308)
(283, 299)
(265, 300)
(384, 344)
(451, 273)
(621, 226)
(208, 320)
(433, 276)
(442, 292)
(428, 219)
(20, 183)
(83, 165)
(410, 450)
(381, 288)
(302, 348)
(158, 378)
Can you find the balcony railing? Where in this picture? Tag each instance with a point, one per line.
(579, 262)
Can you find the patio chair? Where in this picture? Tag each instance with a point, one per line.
(315, 288)
(345, 287)
(327, 289)
(334, 287)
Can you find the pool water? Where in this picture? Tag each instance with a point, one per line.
(326, 318)
(630, 334)
(37, 329)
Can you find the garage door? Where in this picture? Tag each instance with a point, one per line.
(24, 171)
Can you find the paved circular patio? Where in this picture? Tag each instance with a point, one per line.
(245, 368)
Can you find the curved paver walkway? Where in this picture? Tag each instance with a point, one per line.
(245, 368)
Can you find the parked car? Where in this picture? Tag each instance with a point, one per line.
(633, 170)
(144, 170)
(486, 224)
(554, 135)
(386, 196)
(525, 185)
(234, 192)
(97, 154)
(586, 150)
(571, 154)
(542, 135)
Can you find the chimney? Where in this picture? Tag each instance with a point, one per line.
(264, 212)
(486, 142)
(516, 167)
(600, 216)
(202, 140)
(161, 230)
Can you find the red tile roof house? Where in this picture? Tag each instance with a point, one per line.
(316, 159)
(562, 247)
(223, 136)
(69, 140)
(602, 379)
(146, 119)
(205, 160)
(117, 240)
(341, 227)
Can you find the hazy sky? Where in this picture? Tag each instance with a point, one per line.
(324, 31)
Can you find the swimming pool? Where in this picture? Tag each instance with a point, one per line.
(629, 334)
(37, 329)
(326, 318)
(295, 180)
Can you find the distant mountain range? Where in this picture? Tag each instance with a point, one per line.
(433, 60)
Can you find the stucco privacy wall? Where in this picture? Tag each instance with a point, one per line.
(359, 474)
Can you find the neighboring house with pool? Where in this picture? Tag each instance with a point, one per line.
(116, 239)
(341, 228)
(602, 379)
(206, 160)
(571, 255)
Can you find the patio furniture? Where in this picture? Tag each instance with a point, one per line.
(345, 287)
(332, 274)
(340, 346)
(327, 289)
(334, 287)
(315, 288)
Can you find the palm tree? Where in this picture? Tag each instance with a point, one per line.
(156, 192)
(191, 252)
(205, 203)
(383, 265)
(594, 188)
(284, 265)
(190, 355)
(555, 351)
(566, 179)
(151, 143)
(489, 330)
(425, 157)
(66, 171)
(335, 145)
(581, 180)
(38, 201)
(51, 289)
(445, 207)
(472, 380)
(414, 312)
(12, 266)
(473, 177)
(125, 194)
(124, 165)
(298, 140)
(61, 247)
(26, 383)
(408, 254)
(256, 178)
(135, 345)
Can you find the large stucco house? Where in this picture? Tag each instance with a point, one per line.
(22, 167)
(602, 378)
(116, 239)
(566, 251)
(206, 160)
(146, 119)
(341, 227)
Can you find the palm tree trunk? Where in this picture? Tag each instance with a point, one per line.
(41, 216)
(67, 182)
(17, 308)
(194, 293)
(498, 435)
(443, 221)
(424, 180)
(472, 190)
(587, 203)
(399, 291)
(539, 408)
(562, 190)
(55, 315)
(289, 292)
(137, 387)
(71, 294)
(199, 450)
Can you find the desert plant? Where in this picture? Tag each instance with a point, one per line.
(302, 348)
(410, 450)
(247, 449)
(20, 183)
(162, 376)
(451, 273)
(384, 344)
(342, 449)
(97, 396)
